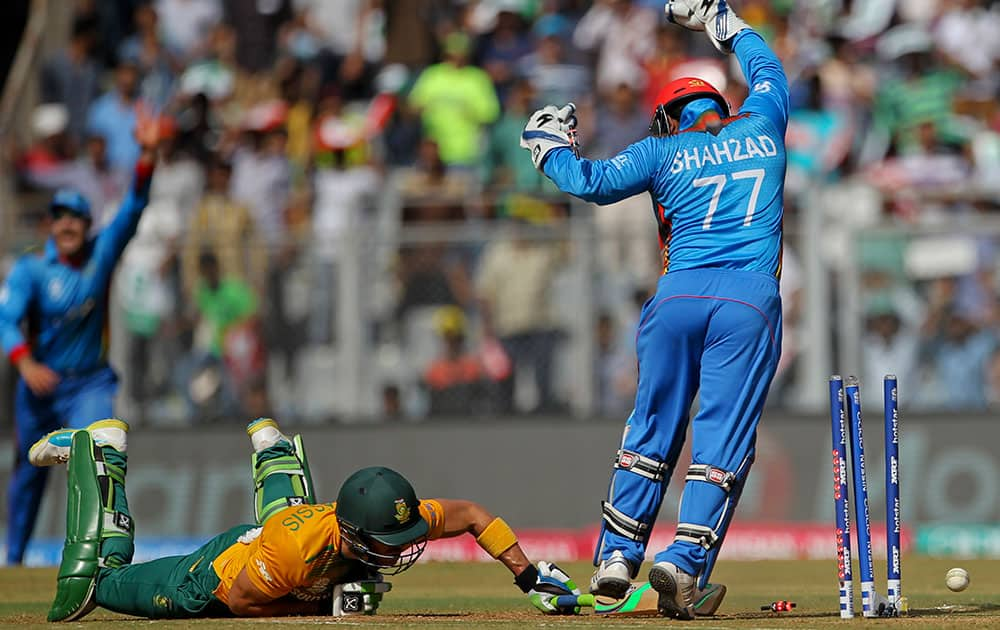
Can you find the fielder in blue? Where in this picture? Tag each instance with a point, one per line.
(714, 325)
(54, 326)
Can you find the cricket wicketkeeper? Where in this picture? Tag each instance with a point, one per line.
(716, 183)
(299, 558)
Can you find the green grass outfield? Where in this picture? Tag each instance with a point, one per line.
(481, 595)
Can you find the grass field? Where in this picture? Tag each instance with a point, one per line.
(481, 595)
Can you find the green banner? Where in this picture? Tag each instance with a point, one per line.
(968, 541)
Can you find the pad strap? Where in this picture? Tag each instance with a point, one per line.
(710, 474)
(640, 464)
(697, 534)
(623, 524)
(497, 537)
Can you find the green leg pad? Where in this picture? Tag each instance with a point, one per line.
(77, 577)
(281, 478)
(300, 451)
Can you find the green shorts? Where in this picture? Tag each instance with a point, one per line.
(175, 587)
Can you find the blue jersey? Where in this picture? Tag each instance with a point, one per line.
(66, 306)
(717, 195)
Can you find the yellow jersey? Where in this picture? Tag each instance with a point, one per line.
(298, 549)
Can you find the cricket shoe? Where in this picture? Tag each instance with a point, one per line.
(676, 588)
(613, 577)
(707, 600)
(264, 433)
(53, 448)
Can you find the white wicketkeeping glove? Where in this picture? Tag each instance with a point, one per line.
(548, 129)
(358, 598)
(715, 17)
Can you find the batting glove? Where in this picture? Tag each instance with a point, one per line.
(358, 598)
(549, 129)
(544, 584)
(716, 18)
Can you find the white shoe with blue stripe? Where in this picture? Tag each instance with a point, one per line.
(53, 448)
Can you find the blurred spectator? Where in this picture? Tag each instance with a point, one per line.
(621, 34)
(501, 50)
(792, 293)
(51, 150)
(620, 122)
(456, 380)
(113, 116)
(432, 191)
(199, 128)
(180, 176)
(218, 76)
(614, 370)
(411, 30)
(71, 77)
(158, 65)
(661, 65)
(225, 228)
(956, 350)
(456, 100)
(890, 345)
(262, 179)
(186, 23)
(90, 174)
(146, 292)
(257, 22)
(965, 21)
(627, 244)
(993, 379)
(346, 186)
(817, 140)
(346, 27)
(920, 92)
(514, 284)
(505, 167)
(556, 77)
(221, 304)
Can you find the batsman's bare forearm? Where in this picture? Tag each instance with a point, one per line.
(469, 517)
(246, 600)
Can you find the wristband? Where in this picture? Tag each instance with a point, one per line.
(144, 170)
(19, 353)
(497, 538)
(526, 580)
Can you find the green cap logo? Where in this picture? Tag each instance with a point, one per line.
(402, 511)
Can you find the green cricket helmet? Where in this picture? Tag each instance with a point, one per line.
(379, 517)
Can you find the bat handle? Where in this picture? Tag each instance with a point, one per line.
(572, 601)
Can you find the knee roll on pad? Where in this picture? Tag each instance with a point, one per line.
(296, 467)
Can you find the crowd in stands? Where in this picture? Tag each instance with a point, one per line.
(296, 126)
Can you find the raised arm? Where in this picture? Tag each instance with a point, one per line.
(730, 34)
(112, 240)
(765, 76)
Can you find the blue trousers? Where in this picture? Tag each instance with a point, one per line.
(76, 402)
(713, 330)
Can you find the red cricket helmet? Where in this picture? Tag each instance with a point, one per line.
(675, 95)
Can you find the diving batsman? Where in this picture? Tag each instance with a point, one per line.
(300, 557)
